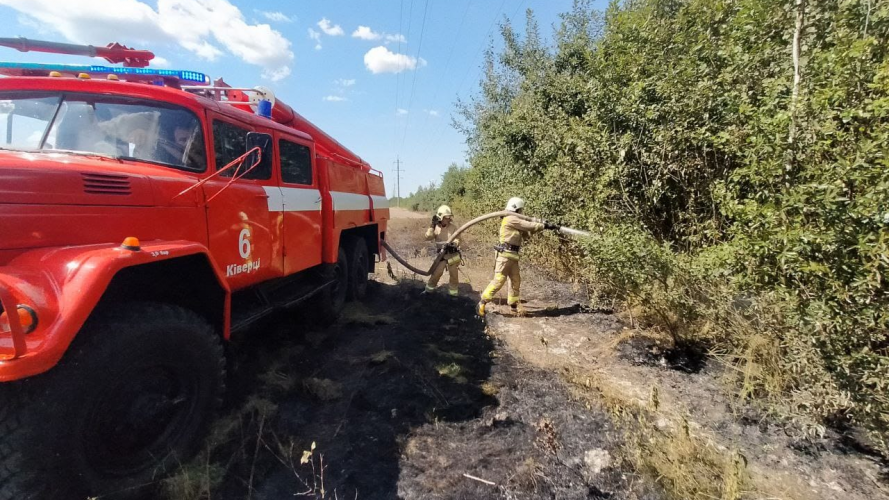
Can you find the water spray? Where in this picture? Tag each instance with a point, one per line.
(574, 232)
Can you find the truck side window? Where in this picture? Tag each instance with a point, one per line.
(296, 163)
(230, 142)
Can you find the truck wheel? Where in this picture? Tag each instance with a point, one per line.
(330, 303)
(358, 268)
(17, 479)
(130, 400)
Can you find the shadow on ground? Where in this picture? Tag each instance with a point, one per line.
(356, 389)
(406, 397)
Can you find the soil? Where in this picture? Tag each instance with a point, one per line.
(414, 397)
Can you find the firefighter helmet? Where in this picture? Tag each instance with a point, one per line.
(515, 204)
(444, 211)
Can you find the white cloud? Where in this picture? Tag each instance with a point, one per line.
(365, 33)
(400, 112)
(278, 17)
(30, 22)
(382, 60)
(330, 29)
(342, 82)
(93, 22)
(335, 98)
(204, 27)
(314, 35)
(431, 112)
(276, 74)
(160, 62)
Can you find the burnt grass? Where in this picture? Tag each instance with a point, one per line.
(413, 394)
(687, 356)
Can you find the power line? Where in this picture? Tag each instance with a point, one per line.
(448, 60)
(414, 80)
(410, 23)
(469, 69)
(395, 127)
(398, 77)
(482, 45)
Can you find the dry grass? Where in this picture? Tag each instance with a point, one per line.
(456, 356)
(489, 389)
(381, 357)
(689, 467)
(660, 442)
(528, 475)
(197, 479)
(358, 315)
(276, 378)
(453, 371)
(194, 481)
(323, 389)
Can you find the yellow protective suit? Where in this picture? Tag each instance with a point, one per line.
(450, 261)
(513, 232)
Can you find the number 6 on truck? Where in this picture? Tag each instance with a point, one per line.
(244, 243)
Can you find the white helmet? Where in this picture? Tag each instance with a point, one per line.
(515, 204)
(444, 211)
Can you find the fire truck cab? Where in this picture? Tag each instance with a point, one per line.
(142, 224)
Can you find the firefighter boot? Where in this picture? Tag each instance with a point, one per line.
(480, 308)
(517, 309)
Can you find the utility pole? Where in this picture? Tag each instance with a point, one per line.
(397, 181)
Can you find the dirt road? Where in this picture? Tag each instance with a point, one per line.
(413, 397)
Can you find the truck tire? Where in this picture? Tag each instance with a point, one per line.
(127, 404)
(17, 480)
(329, 304)
(359, 269)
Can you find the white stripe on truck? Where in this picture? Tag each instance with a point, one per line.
(380, 201)
(301, 200)
(287, 199)
(349, 201)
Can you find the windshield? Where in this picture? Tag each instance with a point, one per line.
(102, 125)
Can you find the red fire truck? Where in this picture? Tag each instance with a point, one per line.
(146, 217)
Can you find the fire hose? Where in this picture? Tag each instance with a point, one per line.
(464, 227)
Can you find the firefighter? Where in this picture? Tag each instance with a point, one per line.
(513, 231)
(440, 231)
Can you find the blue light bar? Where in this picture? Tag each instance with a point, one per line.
(183, 75)
(191, 76)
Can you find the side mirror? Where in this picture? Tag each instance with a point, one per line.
(264, 143)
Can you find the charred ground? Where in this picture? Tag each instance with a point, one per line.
(403, 398)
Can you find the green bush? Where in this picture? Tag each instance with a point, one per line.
(734, 206)
(449, 192)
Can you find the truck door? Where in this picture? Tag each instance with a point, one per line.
(302, 205)
(244, 218)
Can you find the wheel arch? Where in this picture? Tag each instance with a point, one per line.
(65, 286)
(369, 234)
(188, 281)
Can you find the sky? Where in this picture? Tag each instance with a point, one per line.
(382, 77)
